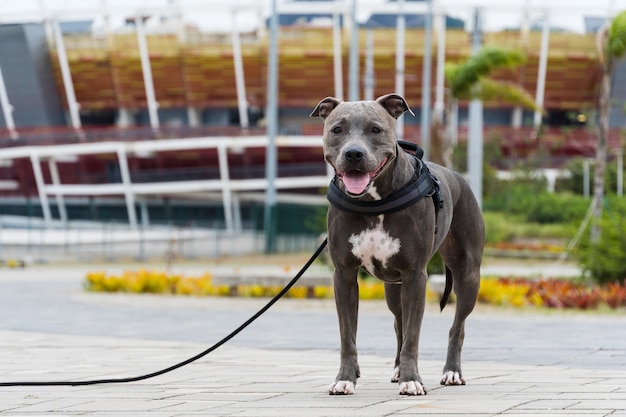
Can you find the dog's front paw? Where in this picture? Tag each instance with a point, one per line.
(395, 377)
(452, 378)
(412, 388)
(341, 388)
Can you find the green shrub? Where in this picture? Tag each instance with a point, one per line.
(556, 208)
(511, 196)
(502, 227)
(605, 262)
(498, 228)
(531, 201)
(576, 181)
(523, 208)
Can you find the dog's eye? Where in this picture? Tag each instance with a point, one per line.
(337, 129)
(376, 129)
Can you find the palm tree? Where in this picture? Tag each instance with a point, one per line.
(611, 46)
(469, 80)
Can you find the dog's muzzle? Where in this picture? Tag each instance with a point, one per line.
(358, 182)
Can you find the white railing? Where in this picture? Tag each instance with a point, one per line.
(230, 190)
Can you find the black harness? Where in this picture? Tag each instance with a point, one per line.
(423, 184)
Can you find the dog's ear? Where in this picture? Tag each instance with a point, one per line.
(394, 104)
(324, 107)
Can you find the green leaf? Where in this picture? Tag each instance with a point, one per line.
(463, 76)
(617, 36)
(506, 91)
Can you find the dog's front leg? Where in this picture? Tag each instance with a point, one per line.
(347, 300)
(413, 301)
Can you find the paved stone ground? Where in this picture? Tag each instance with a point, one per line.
(516, 362)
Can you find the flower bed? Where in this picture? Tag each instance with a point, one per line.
(524, 250)
(158, 282)
(515, 292)
(552, 293)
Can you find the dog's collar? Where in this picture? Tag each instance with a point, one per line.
(421, 185)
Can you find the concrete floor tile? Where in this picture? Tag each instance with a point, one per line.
(516, 363)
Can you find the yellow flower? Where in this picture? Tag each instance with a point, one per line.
(297, 292)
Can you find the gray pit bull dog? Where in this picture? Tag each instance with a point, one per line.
(395, 245)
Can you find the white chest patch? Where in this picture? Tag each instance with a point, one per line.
(373, 244)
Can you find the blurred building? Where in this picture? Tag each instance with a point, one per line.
(194, 80)
(194, 85)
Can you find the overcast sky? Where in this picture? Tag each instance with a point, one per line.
(217, 14)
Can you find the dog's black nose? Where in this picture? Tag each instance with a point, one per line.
(354, 154)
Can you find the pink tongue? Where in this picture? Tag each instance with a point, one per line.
(356, 181)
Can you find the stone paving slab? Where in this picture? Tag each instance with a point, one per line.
(237, 381)
(516, 362)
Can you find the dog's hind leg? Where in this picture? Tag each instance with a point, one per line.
(462, 252)
(466, 290)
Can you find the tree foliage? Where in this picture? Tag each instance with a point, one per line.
(611, 46)
(469, 79)
(507, 92)
(605, 261)
(617, 36)
(462, 77)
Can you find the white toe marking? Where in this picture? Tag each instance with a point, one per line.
(452, 378)
(374, 243)
(341, 388)
(395, 377)
(411, 388)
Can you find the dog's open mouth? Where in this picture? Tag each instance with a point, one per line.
(358, 182)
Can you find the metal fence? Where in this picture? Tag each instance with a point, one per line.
(24, 240)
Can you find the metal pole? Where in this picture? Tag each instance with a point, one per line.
(41, 185)
(353, 86)
(543, 66)
(145, 216)
(271, 113)
(128, 192)
(222, 156)
(7, 109)
(148, 83)
(369, 66)
(586, 178)
(441, 62)
(56, 180)
(516, 119)
(620, 172)
(337, 56)
(67, 77)
(426, 68)
(240, 80)
(475, 139)
(400, 31)
(236, 213)
(43, 8)
(104, 8)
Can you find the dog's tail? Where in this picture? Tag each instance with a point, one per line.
(447, 290)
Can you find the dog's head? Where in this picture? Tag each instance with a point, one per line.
(360, 138)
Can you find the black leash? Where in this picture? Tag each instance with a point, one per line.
(188, 361)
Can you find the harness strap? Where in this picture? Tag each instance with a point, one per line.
(423, 184)
(437, 197)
